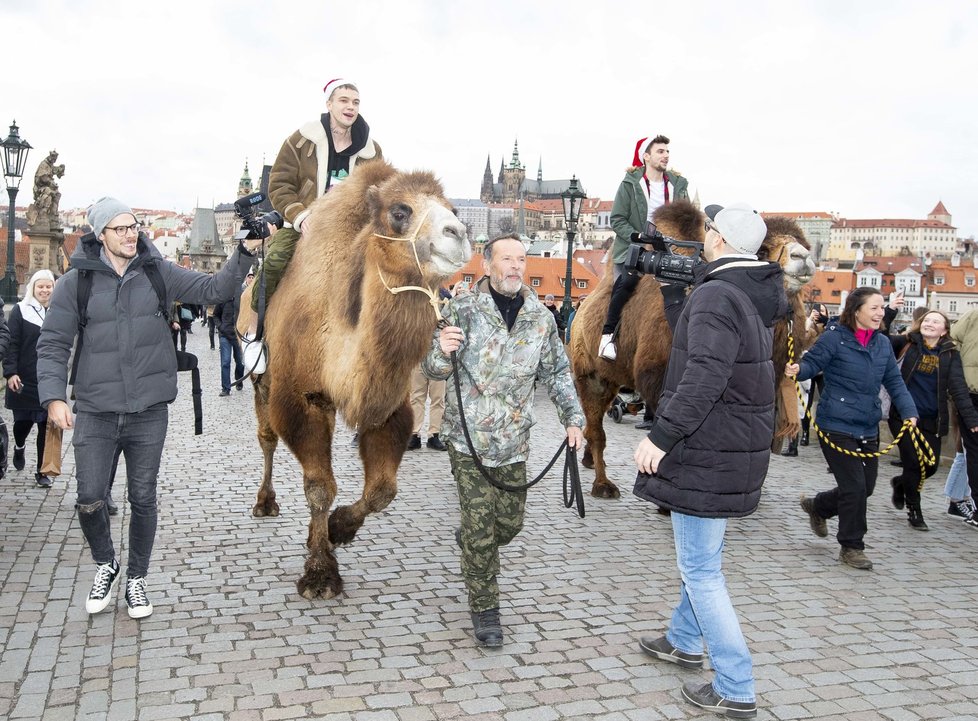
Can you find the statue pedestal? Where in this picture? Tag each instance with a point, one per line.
(45, 251)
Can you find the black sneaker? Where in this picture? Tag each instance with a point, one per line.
(487, 628)
(19, 457)
(435, 443)
(706, 697)
(819, 527)
(960, 509)
(106, 577)
(415, 442)
(239, 385)
(224, 394)
(139, 605)
(42, 481)
(915, 518)
(661, 648)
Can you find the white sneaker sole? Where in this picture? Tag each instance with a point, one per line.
(140, 611)
(94, 605)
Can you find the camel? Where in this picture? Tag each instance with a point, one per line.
(645, 339)
(340, 340)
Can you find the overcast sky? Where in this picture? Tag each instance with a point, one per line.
(865, 108)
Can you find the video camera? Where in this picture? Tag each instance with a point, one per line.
(662, 262)
(254, 226)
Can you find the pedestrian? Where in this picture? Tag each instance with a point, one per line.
(126, 375)
(856, 359)
(315, 158)
(211, 325)
(20, 370)
(551, 305)
(226, 314)
(505, 339)
(647, 185)
(707, 454)
(931, 369)
(430, 393)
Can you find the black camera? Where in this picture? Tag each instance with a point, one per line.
(661, 261)
(254, 226)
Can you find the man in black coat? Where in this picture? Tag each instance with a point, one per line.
(707, 454)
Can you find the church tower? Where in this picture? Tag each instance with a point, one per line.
(485, 195)
(940, 214)
(244, 185)
(513, 177)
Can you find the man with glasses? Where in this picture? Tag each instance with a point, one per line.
(707, 454)
(646, 186)
(126, 376)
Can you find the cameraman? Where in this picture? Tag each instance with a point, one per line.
(646, 186)
(707, 454)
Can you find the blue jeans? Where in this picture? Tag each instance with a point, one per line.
(140, 437)
(704, 613)
(228, 348)
(957, 488)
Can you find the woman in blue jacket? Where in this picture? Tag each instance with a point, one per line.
(856, 359)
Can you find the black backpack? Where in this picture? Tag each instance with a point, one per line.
(185, 361)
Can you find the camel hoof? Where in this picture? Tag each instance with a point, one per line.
(319, 585)
(265, 508)
(605, 490)
(343, 526)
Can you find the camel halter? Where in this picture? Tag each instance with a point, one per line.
(433, 300)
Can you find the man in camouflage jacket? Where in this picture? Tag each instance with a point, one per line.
(506, 339)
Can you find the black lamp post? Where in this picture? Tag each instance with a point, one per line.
(14, 158)
(572, 199)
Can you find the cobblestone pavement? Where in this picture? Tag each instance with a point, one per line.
(231, 639)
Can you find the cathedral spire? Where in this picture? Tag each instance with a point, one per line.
(515, 162)
(540, 170)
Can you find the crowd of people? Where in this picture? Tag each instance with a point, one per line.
(704, 460)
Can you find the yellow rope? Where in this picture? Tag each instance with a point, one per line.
(433, 300)
(925, 454)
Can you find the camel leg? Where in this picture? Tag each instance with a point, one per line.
(265, 504)
(596, 395)
(306, 422)
(381, 450)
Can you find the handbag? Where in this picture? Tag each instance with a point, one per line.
(51, 463)
(185, 314)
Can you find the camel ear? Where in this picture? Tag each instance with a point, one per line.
(374, 202)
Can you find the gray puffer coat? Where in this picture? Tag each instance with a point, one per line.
(127, 361)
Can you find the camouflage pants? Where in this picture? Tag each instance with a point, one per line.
(279, 252)
(490, 518)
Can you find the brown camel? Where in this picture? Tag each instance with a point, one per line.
(340, 340)
(644, 338)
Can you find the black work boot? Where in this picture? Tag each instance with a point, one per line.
(415, 442)
(898, 498)
(915, 518)
(792, 449)
(486, 627)
(804, 437)
(435, 443)
(19, 461)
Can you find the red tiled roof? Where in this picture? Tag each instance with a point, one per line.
(890, 264)
(939, 209)
(889, 223)
(549, 271)
(954, 278)
(832, 283)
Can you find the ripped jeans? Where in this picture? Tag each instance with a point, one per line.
(139, 437)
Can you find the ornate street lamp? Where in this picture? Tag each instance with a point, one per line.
(572, 199)
(14, 159)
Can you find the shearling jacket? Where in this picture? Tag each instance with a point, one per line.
(630, 210)
(497, 370)
(715, 419)
(965, 334)
(127, 362)
(301, 170)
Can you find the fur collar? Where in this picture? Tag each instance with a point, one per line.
(316, 133)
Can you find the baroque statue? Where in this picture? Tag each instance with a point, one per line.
(43, 213)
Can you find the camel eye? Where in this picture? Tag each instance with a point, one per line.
(400, 213)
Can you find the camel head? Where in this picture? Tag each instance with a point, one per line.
(411, 209)
(785, 243)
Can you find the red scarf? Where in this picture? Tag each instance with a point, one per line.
(863, 335)
(665, 187)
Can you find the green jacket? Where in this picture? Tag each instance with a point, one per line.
(497, 370)
(631, 208)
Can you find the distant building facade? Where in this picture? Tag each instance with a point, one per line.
(511, 184)
(881, 236)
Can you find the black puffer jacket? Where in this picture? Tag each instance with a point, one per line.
(716, 416)
(950, 378)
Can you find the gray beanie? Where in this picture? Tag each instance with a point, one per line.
(104, 210)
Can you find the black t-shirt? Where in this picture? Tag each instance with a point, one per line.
(339, 162)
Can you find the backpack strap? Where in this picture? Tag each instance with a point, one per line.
(84, 293)
(152, 271)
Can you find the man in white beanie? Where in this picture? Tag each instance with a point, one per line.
(126, 375)
(707, 454)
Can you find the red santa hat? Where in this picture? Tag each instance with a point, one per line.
(333, 84)
(639, 147)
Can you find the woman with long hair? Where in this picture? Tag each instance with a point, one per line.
(931, 368)
(20, 369)
(856, 360)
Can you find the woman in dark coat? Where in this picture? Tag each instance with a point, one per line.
(20, 369)
(856, 359)
(931, 368)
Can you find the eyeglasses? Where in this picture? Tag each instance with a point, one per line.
(123, 229)
(708, 226)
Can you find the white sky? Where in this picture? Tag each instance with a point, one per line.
(865, 108)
